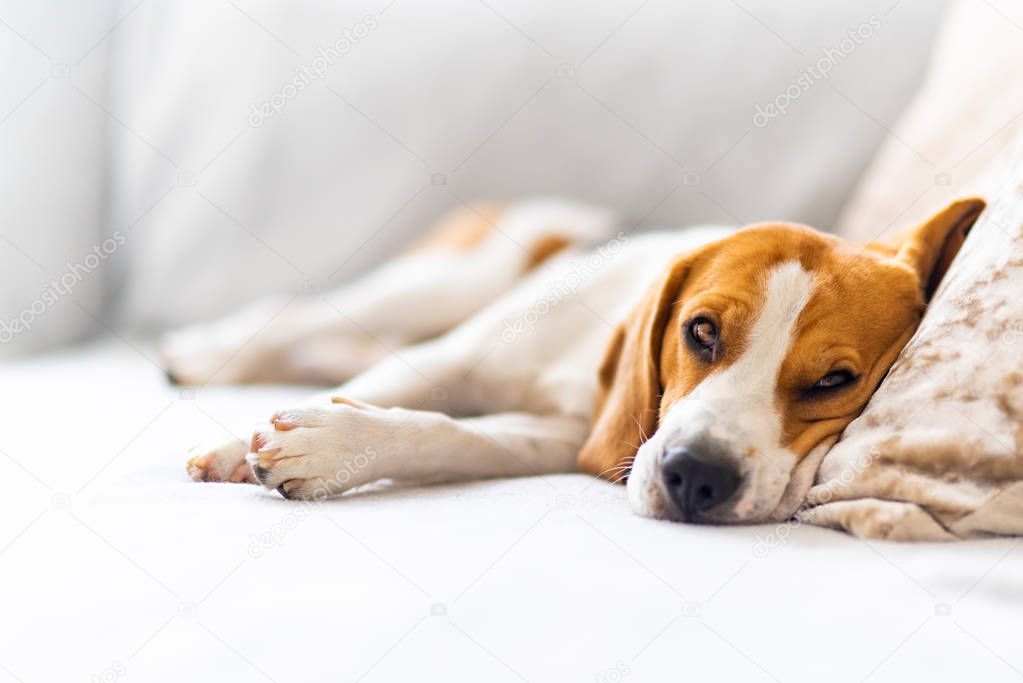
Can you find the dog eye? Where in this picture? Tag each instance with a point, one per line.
(833, 380)
(704, 333)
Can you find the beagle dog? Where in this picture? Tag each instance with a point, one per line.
(708, 368)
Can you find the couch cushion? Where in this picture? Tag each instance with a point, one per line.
(109, 550)
(53, 142)
(650, 108)
(967, 112)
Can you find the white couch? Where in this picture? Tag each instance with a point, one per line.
(115, 565)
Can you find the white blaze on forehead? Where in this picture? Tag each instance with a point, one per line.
(753, 377)
(735, 407)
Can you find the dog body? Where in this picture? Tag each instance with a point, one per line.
(703, 365)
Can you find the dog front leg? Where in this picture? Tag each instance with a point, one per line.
(432, 376)
(321, 451)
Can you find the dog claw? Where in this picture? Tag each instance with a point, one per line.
(282, 425)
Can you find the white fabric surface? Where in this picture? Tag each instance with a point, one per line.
(146, 130)
(140, 571)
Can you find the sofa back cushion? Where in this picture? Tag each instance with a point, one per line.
(249, 147)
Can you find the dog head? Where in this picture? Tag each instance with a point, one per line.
(752, 353)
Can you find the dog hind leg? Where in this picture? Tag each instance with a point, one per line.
(469, 260)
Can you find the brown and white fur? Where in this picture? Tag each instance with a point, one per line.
(504, 346)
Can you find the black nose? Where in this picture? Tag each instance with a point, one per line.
(696, 483)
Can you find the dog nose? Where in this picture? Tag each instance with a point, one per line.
(696, 483)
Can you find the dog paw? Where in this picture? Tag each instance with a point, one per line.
(224, 462)
(317, 452)
(262, 344)
(212, 352)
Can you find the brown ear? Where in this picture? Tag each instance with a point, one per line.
(930, 247)
(630, 385)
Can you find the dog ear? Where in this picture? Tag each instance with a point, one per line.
(930, 247)
(629, 380)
